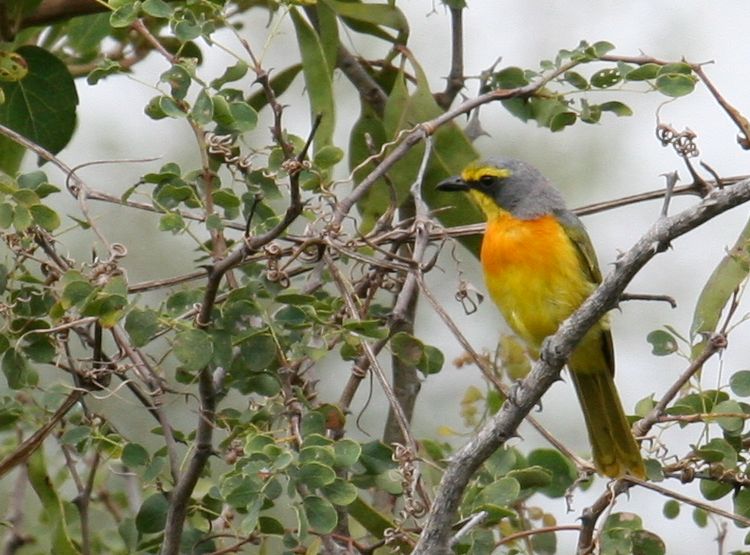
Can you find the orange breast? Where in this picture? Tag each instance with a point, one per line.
(533, 273)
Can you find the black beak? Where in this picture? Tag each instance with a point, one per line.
(454, 183)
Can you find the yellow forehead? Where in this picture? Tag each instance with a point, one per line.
(474, 172)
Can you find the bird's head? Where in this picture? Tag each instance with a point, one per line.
(501, 185)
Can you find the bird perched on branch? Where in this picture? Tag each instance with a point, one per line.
(539, 266)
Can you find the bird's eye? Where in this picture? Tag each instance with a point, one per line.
(486, 180)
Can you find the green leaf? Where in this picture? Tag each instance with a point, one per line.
(179, 80)
(316, 475)
(617, 108)
(700, 517)
(327, 28)
(502, 492)
(104, 69)
(157, 8)
(141, 325)
(328, 156)
(544, 543)
(258, 351)
(646, 72)
(376, 457)
(6, 215)
(340, 492)
(627, 521)
(531, 477)
(605, 78)
(363, 16)
(270, 526)
(712, 490)
(407, 348)
(676, 68)
(730, 424)
(431, 361)
(662, 342)
(18, 373)
(718, 450)
(193, 348)
(152, 516)
(562, 120)
(318, 81)
(602, 47)
(317, 449)
(202, 111)
(577, 80)
(671, 509)
(731, 271)
(129, 534)
(675, 80)
(75, 435)
(41, 106)
(371, 520)
(647, 543)
(54, 514)
(244, 118)
(76, 292)
(134, 454)
(561, 470)
(232, 73)
(44, 217)
(320, 514)
(293, 298)
(347, 452)
(742, 503)
(510, 78)
(368, 328)
(125, 15)
(740, 383)
(226, 199)
(172, 221)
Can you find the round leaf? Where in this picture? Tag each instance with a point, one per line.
(193, 348)
(606, 78)
(671, 509)
(340, 492)
(320, 514)
(42, 105)
(152, 515)
(647, 543)
(662, 342)
(316, 475)
(407, 348)
(740, 383)
(730, 424)
(134, 454)
(675, 84)
(347, 452)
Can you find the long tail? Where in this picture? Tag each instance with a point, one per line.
(615, 450)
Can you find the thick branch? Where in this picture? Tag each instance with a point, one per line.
(435, 536)
(455, 80)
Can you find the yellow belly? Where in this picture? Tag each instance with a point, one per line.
(533, 273)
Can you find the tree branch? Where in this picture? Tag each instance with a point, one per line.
(435, 536)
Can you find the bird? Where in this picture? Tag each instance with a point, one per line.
(539, 266)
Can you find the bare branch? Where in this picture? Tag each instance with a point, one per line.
(455, 80)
